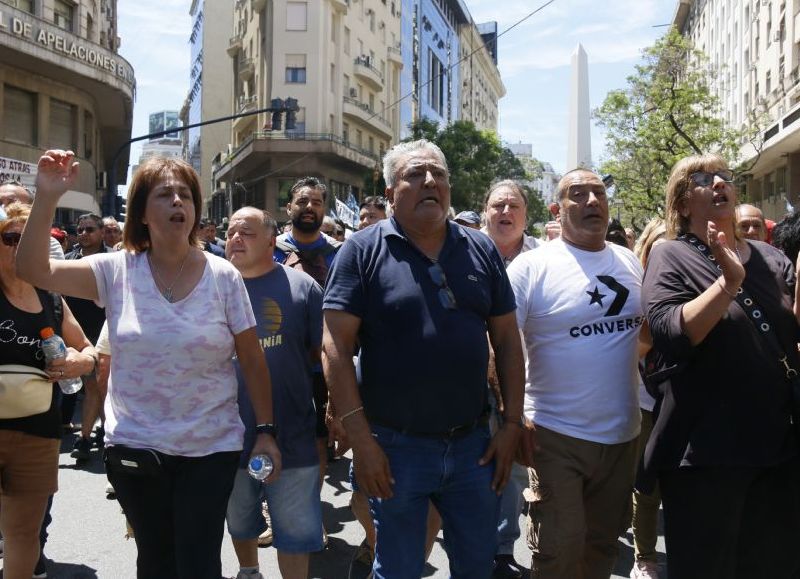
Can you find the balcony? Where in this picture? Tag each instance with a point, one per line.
(234, 45)
(247, 68)
(362, 112)
(368, 74)
(340, 5)
(394, 54)
(247, 103)
(257, 5)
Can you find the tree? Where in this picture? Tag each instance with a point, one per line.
(667, 111)
(475, 158)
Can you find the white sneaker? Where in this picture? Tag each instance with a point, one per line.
(644, 570)
(243, 575)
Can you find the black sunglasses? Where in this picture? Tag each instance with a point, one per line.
(446, 296)
(11, 238)
(704, 178)
(86, 230)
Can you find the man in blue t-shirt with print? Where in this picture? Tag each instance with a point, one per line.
(419, 294)
(288, 308)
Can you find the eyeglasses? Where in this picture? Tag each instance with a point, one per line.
(446, 296)
(704, 178)
(86, 230)
(11, 238)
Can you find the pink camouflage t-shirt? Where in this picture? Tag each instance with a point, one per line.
(173, 384)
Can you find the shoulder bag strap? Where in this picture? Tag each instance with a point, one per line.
(754, 313)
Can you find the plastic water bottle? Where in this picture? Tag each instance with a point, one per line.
(54, 348)
(260, 466)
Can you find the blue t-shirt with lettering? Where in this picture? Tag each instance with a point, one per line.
(288, 307)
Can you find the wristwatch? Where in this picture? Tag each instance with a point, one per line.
(267, 429)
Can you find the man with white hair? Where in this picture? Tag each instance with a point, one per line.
(418, 294)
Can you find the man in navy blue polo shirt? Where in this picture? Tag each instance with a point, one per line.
(418, 294)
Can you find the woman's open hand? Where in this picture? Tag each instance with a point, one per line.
(56, 172)
(726, 256)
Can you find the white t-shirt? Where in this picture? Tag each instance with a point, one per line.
(580, 312)
(173, 384)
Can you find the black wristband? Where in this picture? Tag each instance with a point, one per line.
(267, 429)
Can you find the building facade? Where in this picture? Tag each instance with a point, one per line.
(64, 85)
(754, 49)
(169, 145)
(212, 21)
(546, 182)
(481, 85)
(339, 61)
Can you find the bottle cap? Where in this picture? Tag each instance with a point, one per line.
(46, 333)
(256, 463)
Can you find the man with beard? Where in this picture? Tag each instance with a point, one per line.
(306, 248)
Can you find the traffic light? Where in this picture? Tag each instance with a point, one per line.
(291, 113)
(277, 109)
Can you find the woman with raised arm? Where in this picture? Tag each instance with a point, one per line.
(176, 317)
(723, 314)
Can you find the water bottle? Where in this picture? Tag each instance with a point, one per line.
(54, 348)
(260, 467)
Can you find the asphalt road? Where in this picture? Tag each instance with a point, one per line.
(87, 536)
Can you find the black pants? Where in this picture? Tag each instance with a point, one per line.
(177, 514)
(732, 522)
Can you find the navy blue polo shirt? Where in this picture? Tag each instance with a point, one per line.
(422, 367)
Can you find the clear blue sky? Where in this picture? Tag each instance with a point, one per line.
(534, 59)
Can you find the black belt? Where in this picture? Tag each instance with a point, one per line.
(455, 432)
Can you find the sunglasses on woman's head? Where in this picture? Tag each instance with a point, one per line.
(704, 178)
(11, 238)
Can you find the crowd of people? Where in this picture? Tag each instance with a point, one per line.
(470, 368)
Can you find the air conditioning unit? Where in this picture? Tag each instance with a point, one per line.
(353, 92)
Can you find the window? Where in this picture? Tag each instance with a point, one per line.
(769, 82)
(24, 5)
(333, 78)
(20, 115)
(88, 135)
(296, 68)
(359, 138)
(296, 15)
(62, 125)
(346, 133)
(346, 40)
(62, 14)
(436, 83)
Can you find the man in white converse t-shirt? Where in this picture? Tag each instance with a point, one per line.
(579, 310)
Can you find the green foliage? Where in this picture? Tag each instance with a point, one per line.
(476, 159)
(667, 112)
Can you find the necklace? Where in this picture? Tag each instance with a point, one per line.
(167, 293)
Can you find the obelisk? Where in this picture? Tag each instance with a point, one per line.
(579, 149)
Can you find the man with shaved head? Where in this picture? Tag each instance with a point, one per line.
(578, 299)
(751, 222)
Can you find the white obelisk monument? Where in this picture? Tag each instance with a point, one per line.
(579, 148)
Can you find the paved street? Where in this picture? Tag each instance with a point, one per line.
(87, 535)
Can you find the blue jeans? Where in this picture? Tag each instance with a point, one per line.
(510, 509)
(446, 472)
